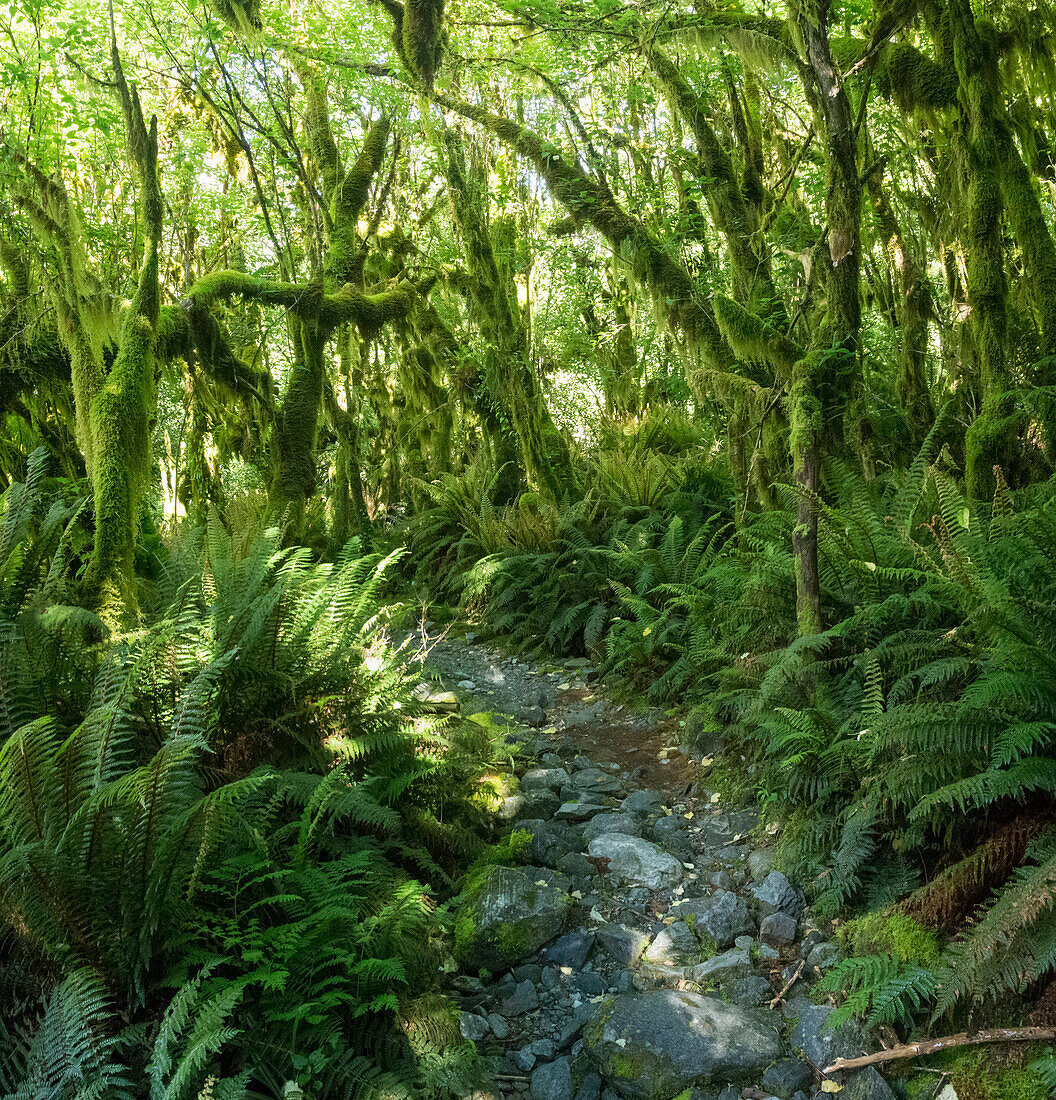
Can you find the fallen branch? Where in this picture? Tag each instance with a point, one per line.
(788, 985)
(930, 1046)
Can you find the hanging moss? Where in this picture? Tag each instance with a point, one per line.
(296, 424)
(751, 338)
(915, 81)
(422, 33)
(348, 200)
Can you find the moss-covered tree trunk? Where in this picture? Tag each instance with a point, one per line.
(508, 372)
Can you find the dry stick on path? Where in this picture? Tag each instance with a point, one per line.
(788, 985)
(931, 1046)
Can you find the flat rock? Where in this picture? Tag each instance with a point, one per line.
(553, 1081)
(570, 950)
(505, 917)
(632, 859)
(663, 1042)
(723, 916)
(641, 802)
(594, 779)
(627, 824)
(552, 779)
(577, 810)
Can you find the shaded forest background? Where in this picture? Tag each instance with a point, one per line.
(715, 341)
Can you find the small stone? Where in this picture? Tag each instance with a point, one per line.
(625, 946)
(551, 778)
(533, 716)
(577, 865)
(523, 1059)
(467, 685)
(524, 998)
(542, 1048)
(748, 991)
(745, 943)
(553, 1081)
(551, 978)
(775, 894)
(571, 949)
(666, 829)
(761, 862)
(499, 1028)
(815, 1040)
(674, 946)
(867, 1084)
(594, 779)
(590, 1089)
(550, 839)
(472, 1026)
(730, 964)
(627, 824)
(824, 956)
(577, 810)
(589, 984)
(786, 1077)
(768, 953)
(529, 972)
(723, 917)
(721, 880)
(540, 803)
(778, 929)
(641, 802)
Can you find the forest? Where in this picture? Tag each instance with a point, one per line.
(527, 549)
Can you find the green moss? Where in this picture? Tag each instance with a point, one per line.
(709, 948)
(976, 1074)
(626, 1065)
(511, 941)
(898, 935)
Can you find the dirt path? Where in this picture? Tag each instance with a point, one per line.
(636, 947)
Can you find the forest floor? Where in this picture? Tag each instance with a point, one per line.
(642, 946)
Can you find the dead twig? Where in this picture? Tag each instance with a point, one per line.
(788, 985)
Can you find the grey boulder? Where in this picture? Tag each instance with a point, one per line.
(506, 916)
(663, 1042)
(632, 859)
(775, 894)
(553, 1081)
(723, 916)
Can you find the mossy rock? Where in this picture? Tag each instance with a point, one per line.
(655, 1045)
(506, 915)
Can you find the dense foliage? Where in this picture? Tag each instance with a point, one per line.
(713, 340)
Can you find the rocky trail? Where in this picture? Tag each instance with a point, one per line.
(640, 943)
